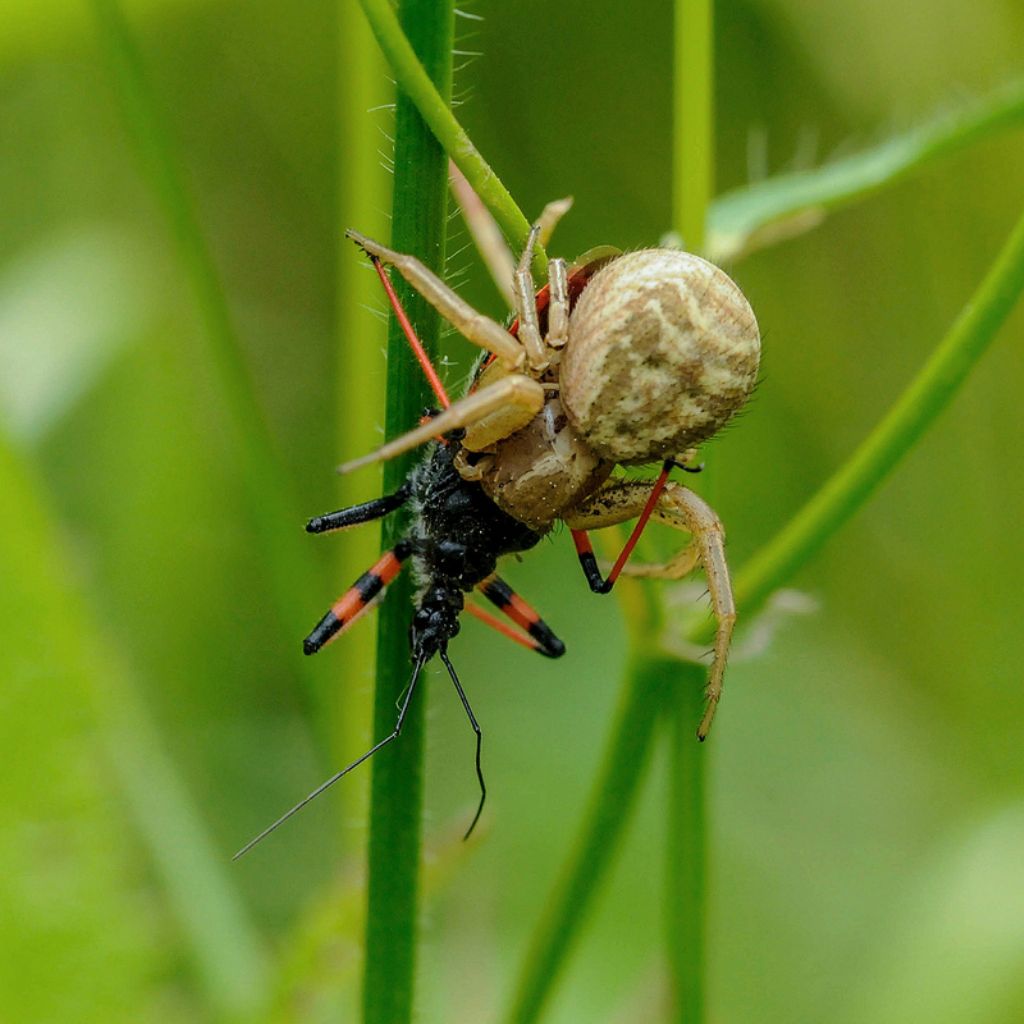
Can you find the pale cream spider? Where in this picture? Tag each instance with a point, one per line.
(622, 359)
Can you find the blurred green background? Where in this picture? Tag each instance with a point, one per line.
(867, 800)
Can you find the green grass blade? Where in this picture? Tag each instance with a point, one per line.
(75, 670)
(318, 970)
(626, 756)
(219, 357)
(419, 209)
(911, 415)
(364, 192)
(685, 867)
(751, 218)
(436, 112)
(686, 836)
(694, 111)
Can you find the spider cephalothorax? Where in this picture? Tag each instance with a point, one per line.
(621, 359)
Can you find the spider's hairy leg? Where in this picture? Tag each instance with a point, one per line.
(517, 397)
(679, 566)
(680, 508)
(524, 292)
(558, 306)
(473, 326)
(588, 563)
(550, 216)
(526, 307)
(487, 236)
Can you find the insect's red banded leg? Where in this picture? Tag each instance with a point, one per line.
(598, 583)
(503, 628)
(356, 514)
(506, 600)
(356, 600)
(476, 328)
(410, 334)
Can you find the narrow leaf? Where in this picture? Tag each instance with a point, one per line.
(751, 218)
(72, 703)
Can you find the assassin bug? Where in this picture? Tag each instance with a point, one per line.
(621, 359)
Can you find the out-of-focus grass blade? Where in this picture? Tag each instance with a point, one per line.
(964, 906)
(69, 705)
(649, 686)
(751, 218)
(318, 972)
(67, 306)
(363, 194)
(219, 360)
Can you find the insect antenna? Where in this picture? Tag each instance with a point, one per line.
(479, 739)
(417, 669)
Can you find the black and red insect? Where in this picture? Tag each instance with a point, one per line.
(510, 458)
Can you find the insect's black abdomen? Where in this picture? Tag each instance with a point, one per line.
(458, 534)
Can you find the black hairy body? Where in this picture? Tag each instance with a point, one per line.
(456, 537)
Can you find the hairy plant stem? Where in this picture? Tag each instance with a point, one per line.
(435, 109)
(419, 207)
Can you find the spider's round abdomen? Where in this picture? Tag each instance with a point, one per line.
(663, 349)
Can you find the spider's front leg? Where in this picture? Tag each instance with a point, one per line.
(680, 508)
(489, 414)
(474, 326)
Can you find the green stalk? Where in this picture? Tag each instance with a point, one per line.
(618, 782)
(686, 840)
(419, 208)
(693, 120)
(915, 410)
(435, 109)
(219, 355)
(363, 193)
(686, 849)
(82, 675)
